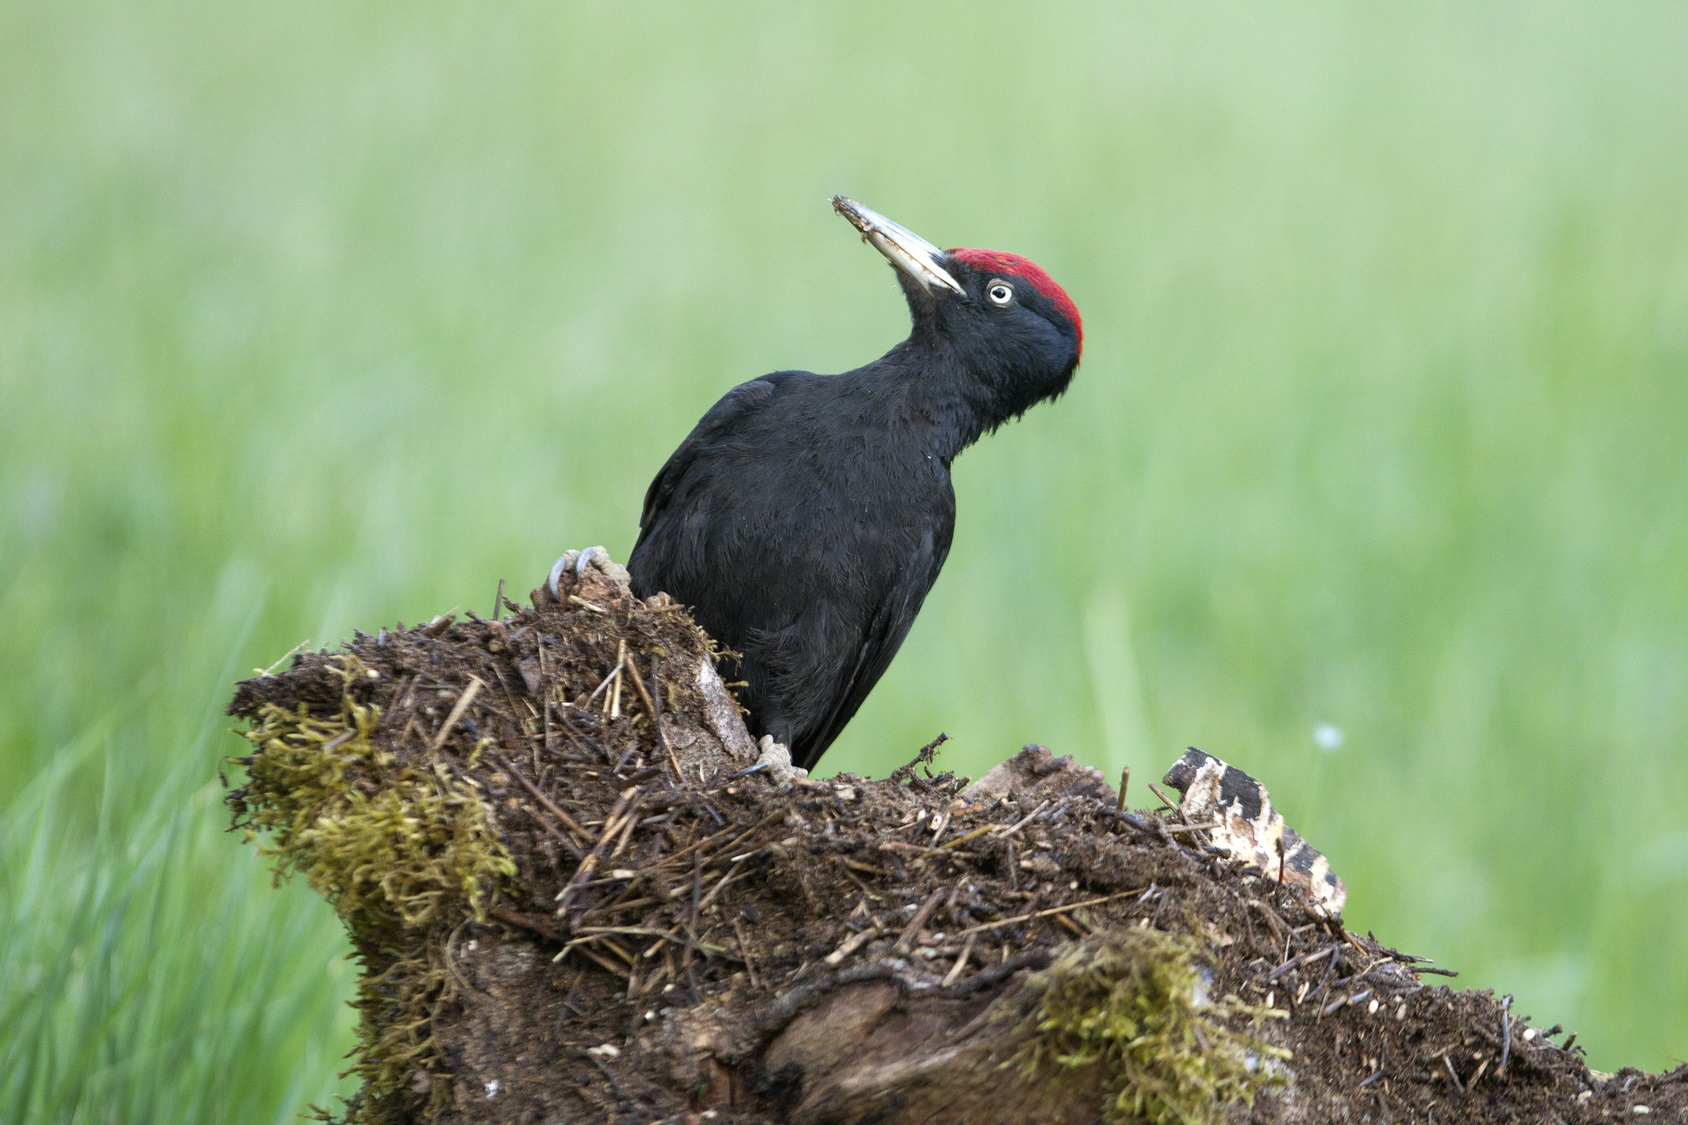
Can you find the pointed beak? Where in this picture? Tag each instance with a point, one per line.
(907, 250)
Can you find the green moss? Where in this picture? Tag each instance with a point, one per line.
(402, 849)
(1136, 1002)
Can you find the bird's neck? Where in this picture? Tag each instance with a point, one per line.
(949, 401)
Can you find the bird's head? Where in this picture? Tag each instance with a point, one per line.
(999, 315)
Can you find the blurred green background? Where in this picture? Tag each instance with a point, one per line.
(314, 316)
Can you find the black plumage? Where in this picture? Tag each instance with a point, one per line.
(806, 516)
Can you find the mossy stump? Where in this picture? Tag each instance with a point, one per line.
(569, 903)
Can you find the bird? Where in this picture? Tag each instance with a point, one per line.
(805, 517)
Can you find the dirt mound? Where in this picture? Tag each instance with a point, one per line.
(570, 904)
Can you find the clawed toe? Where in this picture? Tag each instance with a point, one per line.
(562, 566)
(592, 558)
(776, 759)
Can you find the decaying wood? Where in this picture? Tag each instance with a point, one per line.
(679, 939)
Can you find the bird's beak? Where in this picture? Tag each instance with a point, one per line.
(907, 250)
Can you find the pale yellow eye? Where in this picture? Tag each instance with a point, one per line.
(1000, 293)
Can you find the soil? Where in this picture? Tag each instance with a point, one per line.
(682, 941)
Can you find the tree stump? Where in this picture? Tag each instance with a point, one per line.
(570, 903)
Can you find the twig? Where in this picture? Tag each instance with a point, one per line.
(1302, 959)
(1165, 800)
(707, 840)
(1031, 959)
(463, 702)
(692, 914)
(902, 846)
(733, 844)
(612, 826)
(619, 903)
(300, 647)
(590, 932)
(1157, 830)
(905, 940)
(654, 712)
(608, 941)
(551, 807)
(1279, 928)
(339, 740)
(973, 835)
(504, 686)
(1025, 820)
(851, 944)
(983, 926)
(744, 950)
(598, 959)
(620, 1091)
(1358, 997)
(639, 685)
(550, 747)
(720, 885)
(498, 600)
(602, 684)
(927, 752)
(865, 869)
(960, 962)
(1124, 784)
(1505, 1034)
(540, 926)
(630, 821)
(620, 664)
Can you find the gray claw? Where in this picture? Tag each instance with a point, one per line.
(558, 569)
(578, 561)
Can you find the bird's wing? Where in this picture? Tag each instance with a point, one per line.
(890, 623)
(744, 399)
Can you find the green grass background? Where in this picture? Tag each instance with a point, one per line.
(314, 316)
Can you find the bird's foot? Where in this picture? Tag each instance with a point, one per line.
(578, 563)
(776, 760)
